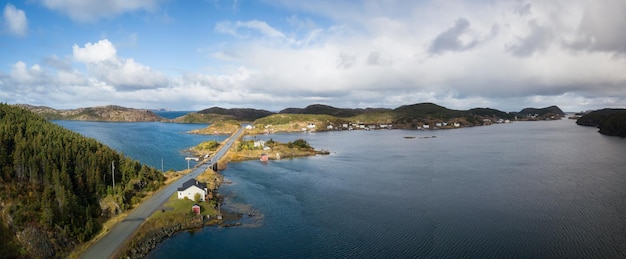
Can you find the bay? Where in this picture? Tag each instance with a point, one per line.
(527, 189)
(148, 142)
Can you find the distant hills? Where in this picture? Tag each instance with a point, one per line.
(329, 110)
(405, 116)
(543, 112)
(611, 122)
(99, 113)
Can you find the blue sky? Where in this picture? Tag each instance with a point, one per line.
(191, 55)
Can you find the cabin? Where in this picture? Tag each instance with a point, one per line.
(195, 209)
(190, 188)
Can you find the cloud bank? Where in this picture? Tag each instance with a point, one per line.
(502, 54)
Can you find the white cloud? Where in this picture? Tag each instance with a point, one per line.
(92, 10)
(20, 73)
(124, 74)
(245, 29)
(102, 50)
(15, 20)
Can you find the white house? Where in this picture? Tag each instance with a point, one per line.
(190, 188)
(259, 143)
(249, 127)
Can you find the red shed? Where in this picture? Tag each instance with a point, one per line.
(196, 209)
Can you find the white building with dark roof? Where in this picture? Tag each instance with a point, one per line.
(190, 188)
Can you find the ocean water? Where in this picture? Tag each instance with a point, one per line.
(527, 190)
(154, 143)
(548, 189)
(171, 114)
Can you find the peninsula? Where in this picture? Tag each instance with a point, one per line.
(611, 122)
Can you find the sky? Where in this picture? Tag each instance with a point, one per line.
(192, 55)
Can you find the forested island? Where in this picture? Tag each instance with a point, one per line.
(56, 186)
(611, 122)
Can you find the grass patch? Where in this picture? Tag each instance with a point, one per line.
(174, 206)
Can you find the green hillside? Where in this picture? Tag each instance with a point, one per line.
(52, 183)
(611, 122)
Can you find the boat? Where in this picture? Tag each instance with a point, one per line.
(409, 137)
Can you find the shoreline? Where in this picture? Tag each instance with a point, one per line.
(155, 231)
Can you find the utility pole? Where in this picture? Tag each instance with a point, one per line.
(113, 175)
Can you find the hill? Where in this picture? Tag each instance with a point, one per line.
(611, 122)
(322, 109)
(547, 113)
(100, 113)
(56, 185)
(321, 117)
(241, 114)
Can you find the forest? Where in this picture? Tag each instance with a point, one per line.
(611, 122)
(53, 183)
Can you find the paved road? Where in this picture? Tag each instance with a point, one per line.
(109, 244)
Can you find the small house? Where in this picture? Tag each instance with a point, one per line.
(259, 143)
(192, 187)
(249, 127)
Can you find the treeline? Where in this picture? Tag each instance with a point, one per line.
(52, 183)
(611, 122)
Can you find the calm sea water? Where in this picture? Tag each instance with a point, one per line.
(526, 190)
(171, 114)
(148, 142)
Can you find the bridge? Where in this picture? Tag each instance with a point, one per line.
(109, 245)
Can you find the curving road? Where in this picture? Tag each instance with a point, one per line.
(108, 245)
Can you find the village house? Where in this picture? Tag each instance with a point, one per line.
(192, 187)
(259, 143)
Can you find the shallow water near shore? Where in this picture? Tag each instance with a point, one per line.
(526, 189)
(148, 142)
